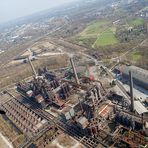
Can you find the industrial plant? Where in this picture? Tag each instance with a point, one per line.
(74, 75)
(80, 103)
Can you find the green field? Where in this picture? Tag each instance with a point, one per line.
(99, 33)
(95, 28)
(106, 38)
(146, 8)
(136, 22)
(136, 56)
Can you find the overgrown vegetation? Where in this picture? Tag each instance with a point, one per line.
(103, 33)
(136, 56)
(139, 57)
(109, 40)
(134, 29)
(136, 22)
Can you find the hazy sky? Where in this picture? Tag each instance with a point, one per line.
(11, 9)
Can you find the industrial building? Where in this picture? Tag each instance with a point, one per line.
(51, 104)
(140, 76)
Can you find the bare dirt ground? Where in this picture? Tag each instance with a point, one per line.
(65, 141)
(144, 43)
(16, 73)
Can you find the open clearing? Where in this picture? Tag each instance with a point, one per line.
(136, 22)
(136, 56)
(106, 38)
(99, 33)
(102, 33)
(89, 35)
(95, 28)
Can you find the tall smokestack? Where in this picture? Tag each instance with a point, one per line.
(131, 91)
(32, 67)
(74, 71)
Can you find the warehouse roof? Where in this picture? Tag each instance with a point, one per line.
(138, 73)
(139, 107)
(83, 122)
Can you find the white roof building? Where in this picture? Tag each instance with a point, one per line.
(139, 108)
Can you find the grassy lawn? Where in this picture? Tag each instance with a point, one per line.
(136, 22)
(89, 35)
(98, 33)
(136, 56)
(106, 38)
(95, 28)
